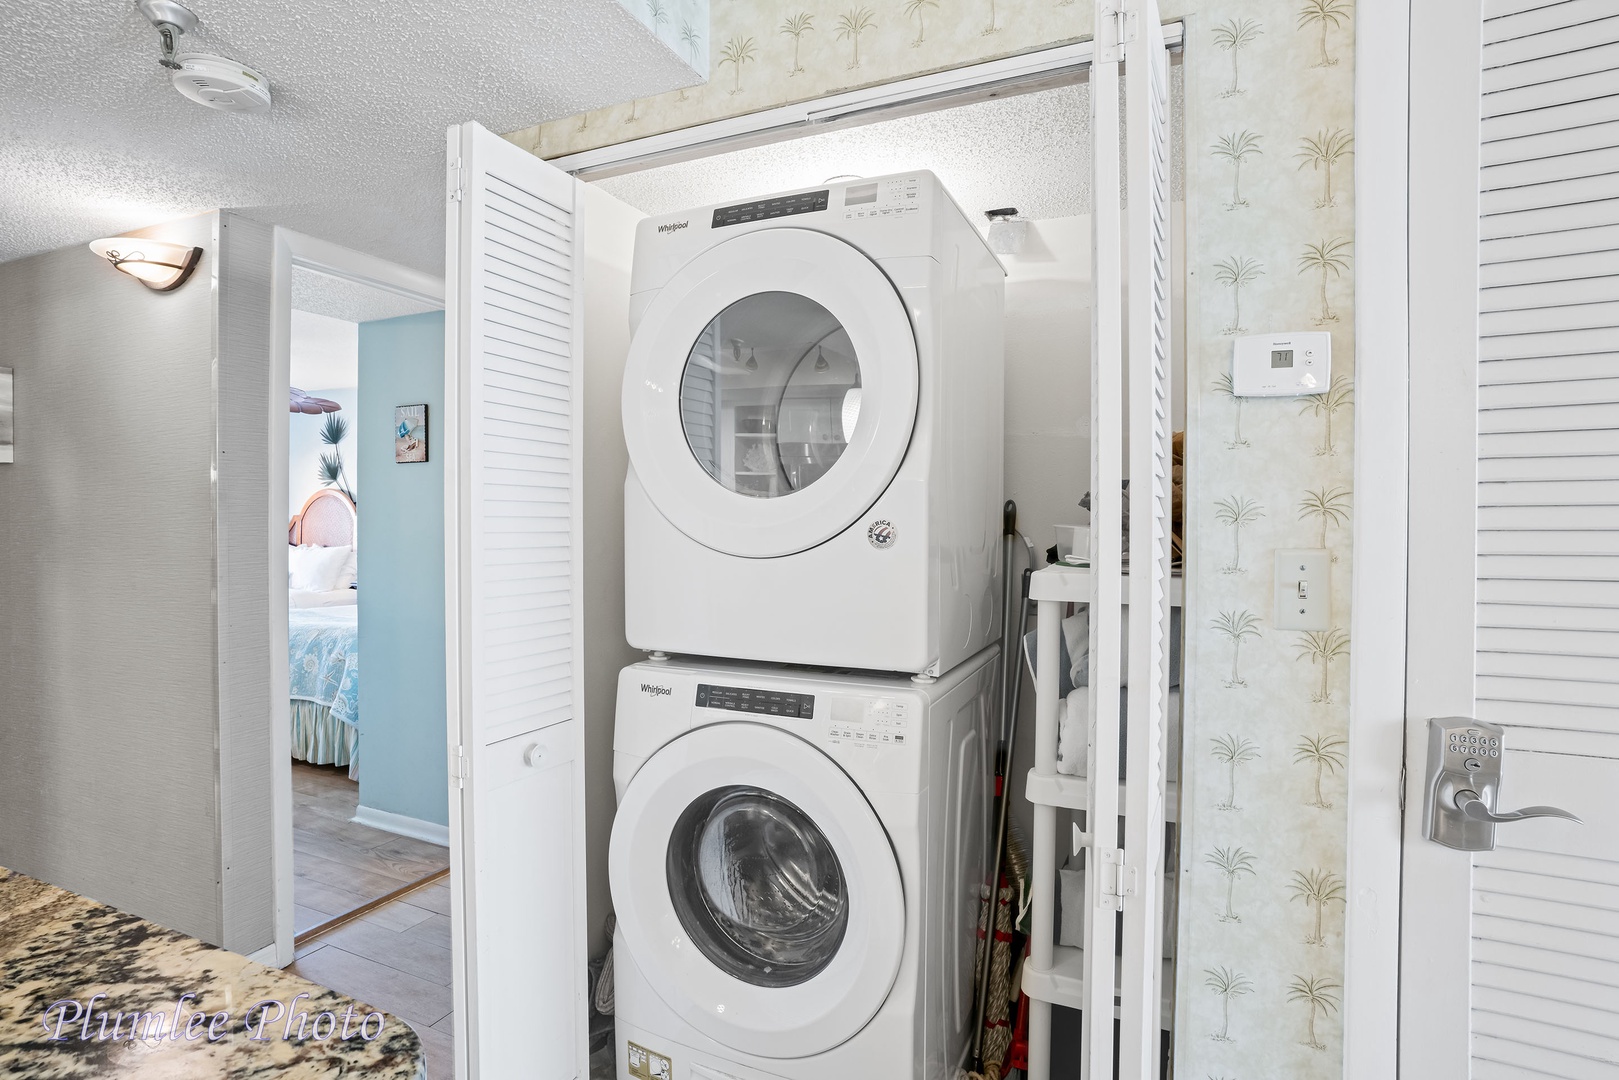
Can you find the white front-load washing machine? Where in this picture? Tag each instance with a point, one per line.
(796, 866)
(813, 410)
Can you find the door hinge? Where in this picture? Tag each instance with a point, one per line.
(1116, 28)
(1117, 881)
(458, 180)
(1127, 26)
(459, 770)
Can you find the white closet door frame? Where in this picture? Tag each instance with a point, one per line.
(526, 690)
(1434, 997)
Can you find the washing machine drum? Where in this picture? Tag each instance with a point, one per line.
(770, 392)
(757, 890)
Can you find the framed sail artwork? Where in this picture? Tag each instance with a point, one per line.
(410, 433)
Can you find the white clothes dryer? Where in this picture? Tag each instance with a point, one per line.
(796, 866)
(813, 409)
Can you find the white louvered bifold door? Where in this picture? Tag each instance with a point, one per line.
(1147, 237)
(1526, 937)
(1546, 900)
(513, 540)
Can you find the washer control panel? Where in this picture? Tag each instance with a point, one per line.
(752, 700)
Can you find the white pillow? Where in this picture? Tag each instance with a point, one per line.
(316, 569)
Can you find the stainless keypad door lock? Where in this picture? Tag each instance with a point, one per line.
(1464, 780)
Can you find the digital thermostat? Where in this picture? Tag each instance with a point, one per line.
(1281, 365)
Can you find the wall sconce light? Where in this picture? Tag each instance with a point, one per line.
(159, 266)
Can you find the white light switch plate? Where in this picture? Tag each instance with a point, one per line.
(1303, 589)
(1281, 365)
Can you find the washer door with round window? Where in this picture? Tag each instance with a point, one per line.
(770, 392)
(757, 890)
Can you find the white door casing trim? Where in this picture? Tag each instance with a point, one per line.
(295, 249)
(1444, 300)
(1378, 586)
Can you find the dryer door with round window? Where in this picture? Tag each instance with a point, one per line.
(770, 392)
(757, 890)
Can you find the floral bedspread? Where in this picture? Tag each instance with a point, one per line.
(323, 657)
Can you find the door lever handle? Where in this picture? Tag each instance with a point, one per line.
(1465, 759)
(1469, 803)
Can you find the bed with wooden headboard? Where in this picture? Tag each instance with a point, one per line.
(323, 648)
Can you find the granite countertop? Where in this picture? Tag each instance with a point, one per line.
(58, 950)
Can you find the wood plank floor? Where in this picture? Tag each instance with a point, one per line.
(338, 865)
(398, 959)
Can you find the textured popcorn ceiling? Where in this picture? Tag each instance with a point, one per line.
(94, 140)
(325, 352)
(337, 298)
(1030, 151)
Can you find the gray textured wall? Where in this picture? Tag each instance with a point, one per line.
(242, 541)
(109, 699)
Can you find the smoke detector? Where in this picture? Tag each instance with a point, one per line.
(215, 81)
(221, 84)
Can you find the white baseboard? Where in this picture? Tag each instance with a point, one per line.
(267, 956)
(404, 826)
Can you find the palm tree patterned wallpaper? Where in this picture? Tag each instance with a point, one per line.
(1270, 223)
(680, 24)
(1269, 155)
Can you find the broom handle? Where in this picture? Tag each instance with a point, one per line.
(1005, 803)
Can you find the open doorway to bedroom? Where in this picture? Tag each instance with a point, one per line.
(365, 560)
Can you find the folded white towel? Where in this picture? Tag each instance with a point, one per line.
(1072, 735)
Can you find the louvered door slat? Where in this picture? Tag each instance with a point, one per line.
(1575, 114)
(1559, 218)
(1515, 20)
(1530, 616)
(1557, 54)
(1542, 320)
(1540, 394)
(1498, 256)
(1578, 517)
(1549, 94)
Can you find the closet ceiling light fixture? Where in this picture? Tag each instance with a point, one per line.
(155, 264)
(1006, 232)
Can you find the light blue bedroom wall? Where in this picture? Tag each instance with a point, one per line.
(403, 767)
(304, 448)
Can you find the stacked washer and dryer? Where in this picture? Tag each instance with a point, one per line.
(813, 408)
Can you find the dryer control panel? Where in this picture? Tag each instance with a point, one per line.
(805, 202)
(882, 198)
